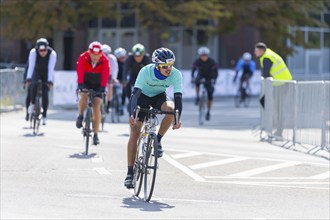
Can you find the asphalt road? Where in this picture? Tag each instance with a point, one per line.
(216, 171)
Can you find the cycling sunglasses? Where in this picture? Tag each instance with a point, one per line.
(166, 66)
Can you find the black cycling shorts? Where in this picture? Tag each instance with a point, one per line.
(156, 102)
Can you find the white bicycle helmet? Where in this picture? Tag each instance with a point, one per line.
(247, 56)
(106, 49)
(203, 51)
(120, 52)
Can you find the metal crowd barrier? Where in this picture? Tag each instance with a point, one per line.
(297, 113)
(12, 93)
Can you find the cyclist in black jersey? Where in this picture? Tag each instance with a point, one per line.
(133, 64)
(121, 55)
(208, 69)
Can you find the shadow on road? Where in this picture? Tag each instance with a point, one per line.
(82, 156)
(138, 203)
(34, 135)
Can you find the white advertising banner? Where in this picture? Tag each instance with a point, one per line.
(65, 85)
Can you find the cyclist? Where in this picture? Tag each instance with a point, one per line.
(121, 55)
(93, 72)
(208, 69)
(113, 73)
(42, 60)
(247, 66)
(133, 64)
(149, 90)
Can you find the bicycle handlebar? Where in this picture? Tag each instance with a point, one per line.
(153, 111)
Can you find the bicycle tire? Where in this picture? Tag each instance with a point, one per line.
(237, 99)
(87, 129)
(150, 166)
(247, 99)
(36, 120)
(117, 108)
(138, 168)
(202, 108)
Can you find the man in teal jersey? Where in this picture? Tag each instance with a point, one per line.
(150, 90)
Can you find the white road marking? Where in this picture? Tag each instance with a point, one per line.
(251, 157)
(216, 163)
(321, 176)
(259, 178)
(188, 154)
(98, 159)
(265, 169)
(102, 171)
(183, 168)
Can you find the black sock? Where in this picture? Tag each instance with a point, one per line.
(159, 137)
(109, 104)
(130, 170)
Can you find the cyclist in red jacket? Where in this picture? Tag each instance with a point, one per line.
(93, 72)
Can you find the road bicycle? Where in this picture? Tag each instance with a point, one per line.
(146, 160)
(36, 115)
(87, 128)
(243, 94)
(115, 103)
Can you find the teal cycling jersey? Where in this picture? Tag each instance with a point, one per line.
(151, 86)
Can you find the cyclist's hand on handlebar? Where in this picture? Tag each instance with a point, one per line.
(81, 88)
(177, 125)
(213, 82)
(50, 84)
(28, 82)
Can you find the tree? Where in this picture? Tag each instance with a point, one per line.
(30, 19)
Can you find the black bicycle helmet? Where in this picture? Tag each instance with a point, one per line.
(163, 55)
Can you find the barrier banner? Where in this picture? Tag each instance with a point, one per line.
(65, 85)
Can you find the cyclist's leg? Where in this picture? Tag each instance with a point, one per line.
(197, 86)
(96, 113)
(45, 99)
(210, 91)
(82, 104)
(135, 131)
(109, 95)
(27, 101)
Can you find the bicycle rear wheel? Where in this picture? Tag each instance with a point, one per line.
(150, 166)
(87, 129)
(138, 168)
(115, 110)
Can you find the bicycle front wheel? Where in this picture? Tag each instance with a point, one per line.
(36, 119)
(87, 129)
(202, 107)
(138, 168)
(237, 99)
(150, 166)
